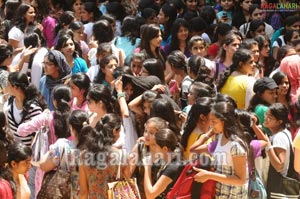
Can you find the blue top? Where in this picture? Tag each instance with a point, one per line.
(125, 44)
(79, 66)
(47, 93)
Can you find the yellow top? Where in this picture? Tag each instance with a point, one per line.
(194, 136)
(236, 87)
(296, 142)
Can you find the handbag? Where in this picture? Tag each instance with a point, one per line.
(256, 188)
(40, 143)
(283, 187)
(56, 184)
(123, 189)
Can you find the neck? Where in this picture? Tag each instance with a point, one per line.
(281, 99)
(108, 79)
(79, 101)
(19, 100)
(276, 129)
(203, 127)
(228, 61)
(153, 50)
(101, 113)
(16, 177)
(70, 60)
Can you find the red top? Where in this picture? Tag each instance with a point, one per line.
(5, 190)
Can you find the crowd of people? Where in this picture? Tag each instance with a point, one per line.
(147, 85)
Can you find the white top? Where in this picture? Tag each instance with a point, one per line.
(88, 30)
(275, 43)
(16, 34)
(93, 72)
(280, 140)
(268, 29)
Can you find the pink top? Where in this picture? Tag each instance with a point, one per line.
(290, 65)
(5, 190)
(84, 106)
(43, 119)
(49, 24)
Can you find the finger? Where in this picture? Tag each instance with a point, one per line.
(197, 169)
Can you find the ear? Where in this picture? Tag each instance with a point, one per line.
(224, 46)
(280, 121)
(13, 164)
(165, 149)
(240, 64)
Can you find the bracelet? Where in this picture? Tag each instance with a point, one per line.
(122, 94)
(269, 147)
(206, 136)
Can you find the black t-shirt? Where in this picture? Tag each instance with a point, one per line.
(171, 171)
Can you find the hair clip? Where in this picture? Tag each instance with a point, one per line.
(85, 124)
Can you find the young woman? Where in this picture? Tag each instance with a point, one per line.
(66, 45)
(179, 38)
(235, 81)
(278, 149)
(166, 145)
(107, 66)
(24, 18)
(7, 183)
(265, 95)
(197, 123)
(70, 150)
(79, 85)
(151, 39)
(241, 13)
(95, 175)
(231, 175)
(229, 46)
(18, 159)
(56, 71)
(256, 27)
(89, 14)
(129, 38)
(166, 17)
(77, 6)
(25, 103)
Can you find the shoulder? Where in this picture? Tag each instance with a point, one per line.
(237, 149)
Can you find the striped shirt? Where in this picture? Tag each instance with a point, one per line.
(34, 110)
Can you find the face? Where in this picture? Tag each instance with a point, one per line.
(295, 36)
(232, 47)
(11, 90)
(78, 34)
(295, 26)
(269, 95)
(191, 96)
(260, 31)
(69, 48)
(75, 90)
(199, 49)
(156, 41)
(216, 124)
(49, 68)
(136, 67)
(150, 130)
(248, 67)
(21, 167)
(257, 14)
(246, 5)
(183, 33)
(30, 15)
(191, 4)
(128, 89)
(153, 19)
(116, 133)
(93, 105)
(265, 51)
(283, 87)
(109, 69)
(255, 51)
(271, 121)
(226, 4)
(85, 16)
(146, 108)
(162, 19)
(77, 7)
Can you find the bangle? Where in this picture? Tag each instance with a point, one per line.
(206, 136)
(269, 147)
(122, 94)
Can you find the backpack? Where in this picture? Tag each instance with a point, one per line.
(185, 186)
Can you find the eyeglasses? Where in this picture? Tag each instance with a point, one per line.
(47, 64)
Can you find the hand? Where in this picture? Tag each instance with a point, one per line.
(27, 52)
(119, 85)
(141, 139)
(181, 115)
(159, 88)
(202, 175)
(253, 119)
(147, 160)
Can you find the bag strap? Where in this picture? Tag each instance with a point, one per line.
(217, 70)
(291, 171)
(119, 166)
